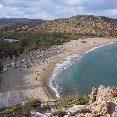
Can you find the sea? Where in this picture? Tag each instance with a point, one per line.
(78, 74)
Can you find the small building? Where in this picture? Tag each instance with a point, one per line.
(11, 40)
(82, 42)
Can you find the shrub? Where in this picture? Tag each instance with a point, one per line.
(58, 113)
(1, 67)
(10, 109)
(32, 102)
(70, 100)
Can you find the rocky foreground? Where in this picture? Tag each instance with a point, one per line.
(102, 103)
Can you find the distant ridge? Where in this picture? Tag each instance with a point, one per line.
(4, 21)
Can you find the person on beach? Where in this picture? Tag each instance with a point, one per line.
(36, 78)
(93, 42)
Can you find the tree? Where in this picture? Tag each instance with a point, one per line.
(1, 66)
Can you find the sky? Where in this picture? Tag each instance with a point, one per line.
(53, 9)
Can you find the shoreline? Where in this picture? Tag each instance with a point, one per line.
(82, 52)
(23, 81)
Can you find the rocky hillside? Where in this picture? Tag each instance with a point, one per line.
(81, 25)
(102, 103)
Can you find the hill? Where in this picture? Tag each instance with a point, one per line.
(85, 25)
(82, 26)
(13, 24)
(54, 32)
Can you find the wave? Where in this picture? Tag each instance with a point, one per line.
(94, 48)
(67, 62)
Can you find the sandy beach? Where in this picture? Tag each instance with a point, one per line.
(19, 84)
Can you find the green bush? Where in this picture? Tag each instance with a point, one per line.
(31, 102)
(58, 113)
(10, 109)
(43, 108)
(28, 41)
(1, 66)
(70, 100)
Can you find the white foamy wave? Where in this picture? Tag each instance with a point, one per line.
(59, 68)
(64, 65)
(94, 48)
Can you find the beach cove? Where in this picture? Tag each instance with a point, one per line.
(22, 83)
(77, 74)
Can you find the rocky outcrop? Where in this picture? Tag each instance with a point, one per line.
(103, 101)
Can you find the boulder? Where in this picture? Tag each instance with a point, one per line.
(103, 100)
(77, 109)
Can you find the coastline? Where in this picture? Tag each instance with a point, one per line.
(24, 83)
(61, 58)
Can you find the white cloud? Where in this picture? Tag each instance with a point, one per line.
(39, 14)
(67, 11)
(79, 2)
(49, 9)
(74, 2)
(1, 6)
(111, 12)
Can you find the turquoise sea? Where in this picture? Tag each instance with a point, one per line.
(79, 73)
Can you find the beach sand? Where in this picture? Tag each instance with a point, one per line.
(33, 82)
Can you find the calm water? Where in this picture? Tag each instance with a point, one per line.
(98, 67)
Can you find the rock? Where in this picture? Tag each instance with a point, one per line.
(47, 113)
(77, 109)
(103, 100)
(80, 115)
(108, 115)
(39, 115)
(114, 114)
(93, 95)
(67, 116)
(88, 115)
(103, 103)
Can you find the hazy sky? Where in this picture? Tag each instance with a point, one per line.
(50, 9)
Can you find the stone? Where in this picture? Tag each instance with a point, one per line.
(75, 109)
(114, 114)
(39, 115)
(67, 116)
(102, 101)
(88, 115)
